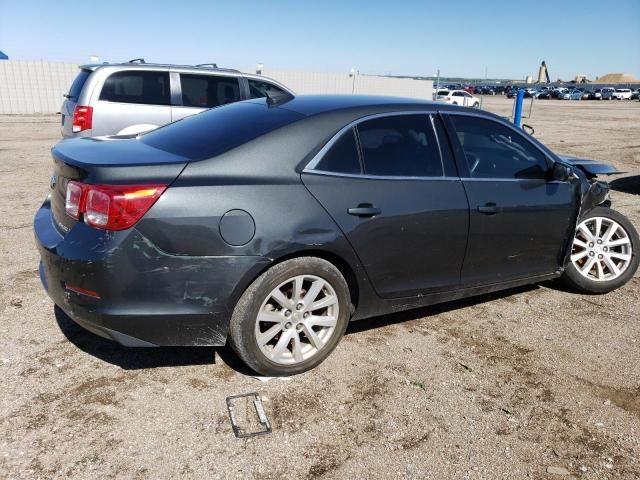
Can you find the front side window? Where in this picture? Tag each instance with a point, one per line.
(402, 145)
(258, 89)
(342, 157)
(149, 88)
(206, 91)
(493, 150)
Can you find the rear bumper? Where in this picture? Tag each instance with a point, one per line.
(147, 297)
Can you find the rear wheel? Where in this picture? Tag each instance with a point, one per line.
(604, 252)
(291, 317)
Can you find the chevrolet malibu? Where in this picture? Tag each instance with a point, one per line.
(272, 224)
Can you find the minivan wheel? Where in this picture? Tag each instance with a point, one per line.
(603, 253)
(291, 317)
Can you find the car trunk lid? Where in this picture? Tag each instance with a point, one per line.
(107, 161)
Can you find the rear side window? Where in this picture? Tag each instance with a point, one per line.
(149, 88)
(493, 150)
(206, 91)
(342, 157)
(402, 145)
(258, 89)
(78, 83)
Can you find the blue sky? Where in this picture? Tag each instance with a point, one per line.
(461, 38)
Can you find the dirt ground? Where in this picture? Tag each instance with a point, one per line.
(535, 383)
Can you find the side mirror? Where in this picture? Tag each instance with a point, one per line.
(560, 172)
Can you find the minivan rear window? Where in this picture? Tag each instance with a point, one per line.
(220, 129)
(78, 83)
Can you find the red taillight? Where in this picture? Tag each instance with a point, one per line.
(82, 118)
(111, 207)
(73, 200)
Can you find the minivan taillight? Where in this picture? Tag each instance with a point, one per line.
(82, 118)
(110, 207)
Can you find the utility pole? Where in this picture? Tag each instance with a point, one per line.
(435, 95)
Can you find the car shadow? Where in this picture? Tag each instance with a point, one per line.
(627, 184)
(131, 358)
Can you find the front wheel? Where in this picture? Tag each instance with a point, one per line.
(291, 317)
(604, 252)
(476, 105)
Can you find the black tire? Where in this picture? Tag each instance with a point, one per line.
(476, 105)
(574, 279)
(242, 327)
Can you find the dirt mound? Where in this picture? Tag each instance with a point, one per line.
(617, 78)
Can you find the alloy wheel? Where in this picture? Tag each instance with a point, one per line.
(601, 249)
(297, 319)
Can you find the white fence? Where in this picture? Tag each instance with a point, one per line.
(38, 86)
(34, 86)
(316, 82)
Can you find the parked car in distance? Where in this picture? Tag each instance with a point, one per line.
(635, 95)
(487, 90)
(575, 94)
(585, 95)
(595, 94)
(134, 97)
(330, 209)
(544, 95)
(458, 97)
(607, 93)
(622, 94)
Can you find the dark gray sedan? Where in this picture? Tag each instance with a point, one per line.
(275, 223)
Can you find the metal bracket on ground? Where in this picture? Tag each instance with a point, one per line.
(248, 418)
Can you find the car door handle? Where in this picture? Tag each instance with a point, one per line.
(364, 210)
(489, 209)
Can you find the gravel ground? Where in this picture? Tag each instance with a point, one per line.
(536, 382)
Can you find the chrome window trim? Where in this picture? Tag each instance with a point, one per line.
(435, 134)
(498, 179)
(310, 167)
(377, 177)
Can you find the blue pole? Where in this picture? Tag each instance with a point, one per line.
(517, 115)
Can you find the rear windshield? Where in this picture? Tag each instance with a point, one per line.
(220, 129)
(78, 83)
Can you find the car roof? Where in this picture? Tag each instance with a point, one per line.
(159, 66)
(199, 69)
(310, 105)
